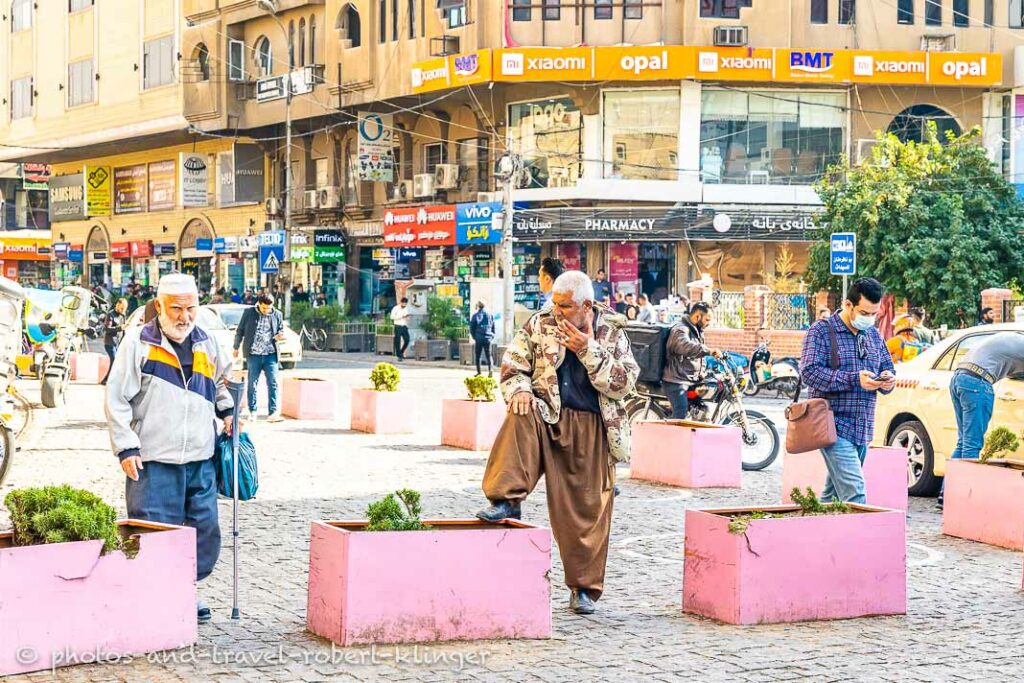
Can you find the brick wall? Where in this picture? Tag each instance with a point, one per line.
(994, 298)
(783, 342)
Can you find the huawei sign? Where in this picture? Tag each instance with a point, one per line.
(423, 226)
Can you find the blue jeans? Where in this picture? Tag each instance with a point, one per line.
(676, 394)
(184, 495)
(268, 365)
(973, 401)
(845, 479)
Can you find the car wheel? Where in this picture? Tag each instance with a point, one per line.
(287, 366)
(921, 479)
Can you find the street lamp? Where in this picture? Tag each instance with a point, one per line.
(271, 8)
(509, 166)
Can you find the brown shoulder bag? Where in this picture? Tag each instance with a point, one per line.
(812, 426)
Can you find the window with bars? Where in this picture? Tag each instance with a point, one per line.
(552, 10)
(847, 11)
(80, 82)
(158, 62)
(433, 156)
(633, 9)
(933, 12)
(819, 11)
(602, 9)
(521, 10)
(22, 98)
(905, 12)
(961, 13)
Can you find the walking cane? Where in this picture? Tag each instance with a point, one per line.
(235, 389)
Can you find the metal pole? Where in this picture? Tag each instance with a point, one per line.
(235, 389)
(845, 280)
(288, 177)
(508, 307)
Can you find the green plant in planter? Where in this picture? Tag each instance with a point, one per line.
(398, 511)
(443, 320)
(998, 442)
(810, 505)
(384, 377)
(61, 514)
(481, 388)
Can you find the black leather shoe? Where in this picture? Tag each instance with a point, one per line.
(615, 491)
(580, 603)
(203, 614)
(499, 510)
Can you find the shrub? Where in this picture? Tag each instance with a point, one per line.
(388, 515)
(324, 317)
(384, 377)
(999, 441)
(443, 320)
(481, 388)
(61, 514)
(810, 505)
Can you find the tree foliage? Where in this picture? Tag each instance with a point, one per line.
(935, 221)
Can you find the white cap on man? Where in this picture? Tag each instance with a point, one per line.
(177, 284)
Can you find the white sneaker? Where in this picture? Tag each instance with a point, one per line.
(276, 417)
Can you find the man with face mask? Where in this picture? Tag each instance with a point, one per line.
(684, 357)
(565, 377)
(164, 395)
(865, 368)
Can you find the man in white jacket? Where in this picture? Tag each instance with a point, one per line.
(164, 396)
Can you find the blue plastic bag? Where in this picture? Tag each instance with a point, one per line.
(248, 472)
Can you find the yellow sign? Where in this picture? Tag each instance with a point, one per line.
(97, 190)
(679, 62)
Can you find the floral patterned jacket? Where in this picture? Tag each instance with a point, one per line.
(532, 360)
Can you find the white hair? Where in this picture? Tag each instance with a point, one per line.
(177, 284)
(576, 283)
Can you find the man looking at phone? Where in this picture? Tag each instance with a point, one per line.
(865, 368)
(259, 332)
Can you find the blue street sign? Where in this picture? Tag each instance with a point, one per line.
(220, 245)
(271, 251)
(843, 257)
(204, 244)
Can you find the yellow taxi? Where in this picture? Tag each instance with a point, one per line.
(918, 415)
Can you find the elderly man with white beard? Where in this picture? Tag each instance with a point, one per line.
(165, 393)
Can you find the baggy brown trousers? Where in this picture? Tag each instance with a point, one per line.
(575, 458)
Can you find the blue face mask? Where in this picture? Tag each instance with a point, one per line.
(864, 322)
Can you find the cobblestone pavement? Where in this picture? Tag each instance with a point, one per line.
(966, 617)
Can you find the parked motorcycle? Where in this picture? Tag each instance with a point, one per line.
(56, 335)
(12, 297)
(781, 375)
(716, 399)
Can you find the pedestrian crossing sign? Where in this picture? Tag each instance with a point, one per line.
(271, 256)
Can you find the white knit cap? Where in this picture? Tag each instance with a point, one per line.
(177, 284)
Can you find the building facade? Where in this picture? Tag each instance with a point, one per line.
(659, 141)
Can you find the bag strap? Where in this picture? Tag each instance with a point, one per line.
(833, 362)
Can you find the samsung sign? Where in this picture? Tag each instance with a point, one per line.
(67, 198)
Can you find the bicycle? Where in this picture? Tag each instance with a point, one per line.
(316, 337)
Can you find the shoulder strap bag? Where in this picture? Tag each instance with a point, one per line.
(811, 424)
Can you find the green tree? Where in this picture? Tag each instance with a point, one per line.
(935, 221)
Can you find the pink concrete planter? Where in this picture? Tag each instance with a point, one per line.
(303, 398)
(687, 454)
(383, 412)
(89, 368)
(64, 603)
(795, 568)
(471, 424)
(885, 476)
(983, 503)
(469, 581)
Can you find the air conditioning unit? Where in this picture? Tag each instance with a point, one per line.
(272, 206)
(272, 225)
(731, 36)
(423, 185)
(330, 197)
(938, 42)
(311, 199)
(484, 197)
(446, 177)
(403, 191)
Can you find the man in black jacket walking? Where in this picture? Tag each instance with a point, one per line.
(258, 333)
(113, 330)
(481, 328)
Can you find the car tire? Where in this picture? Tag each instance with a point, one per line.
(288, 366)
(921, 478)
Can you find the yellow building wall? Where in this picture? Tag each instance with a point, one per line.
(81, 34)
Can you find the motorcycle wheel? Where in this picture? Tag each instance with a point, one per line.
(751, 387)
(52, 391)
(761, 445)
(641, 409)
(6, 451)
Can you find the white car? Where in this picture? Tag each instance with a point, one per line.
(221, 320)
(289, 351)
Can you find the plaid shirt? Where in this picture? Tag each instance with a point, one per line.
(853, 407)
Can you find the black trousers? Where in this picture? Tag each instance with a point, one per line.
(111, 350)
(401, 341)
(482, 349)
(677, 397)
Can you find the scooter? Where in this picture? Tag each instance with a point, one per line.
(782, 375)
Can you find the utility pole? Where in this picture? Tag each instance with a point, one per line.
(508, 169)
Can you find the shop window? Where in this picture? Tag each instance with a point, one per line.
(961, 13)
(847, 11)
(933, 12)
(348, 25)
(912, 123)
(80, 82)
(264, 56)
(770, 137)
(634, 9)
(21, 15)
(158, 62)
(905, 12)
(521, 10)
(552, 10)
(641, 130)
(602, 9)
(819, 11)
(547, 135)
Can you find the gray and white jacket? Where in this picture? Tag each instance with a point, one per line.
(152, 412)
